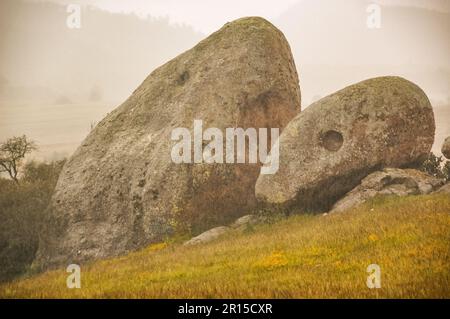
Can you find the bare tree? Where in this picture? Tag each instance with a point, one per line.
(12, 152)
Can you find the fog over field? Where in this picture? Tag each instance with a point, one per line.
(56, 82)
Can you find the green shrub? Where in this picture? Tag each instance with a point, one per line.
(22, 208)
(446, 170)
(436, 166)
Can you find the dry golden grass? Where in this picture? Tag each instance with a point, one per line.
(300, 257)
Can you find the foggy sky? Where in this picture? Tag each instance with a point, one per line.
(207, 16)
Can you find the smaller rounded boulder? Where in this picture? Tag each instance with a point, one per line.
(327, 149)
(446, 148)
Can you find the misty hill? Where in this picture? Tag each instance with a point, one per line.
(333, 47)
(111, 53)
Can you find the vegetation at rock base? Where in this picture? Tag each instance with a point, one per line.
(436, 166)
(303, 256)
(23, 207)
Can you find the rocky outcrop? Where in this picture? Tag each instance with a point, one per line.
(446, 148)
(444, 189)
(121, 190)
(240, 224)
(389, 181)
(246, 221)
(327, 149)
(207, 236)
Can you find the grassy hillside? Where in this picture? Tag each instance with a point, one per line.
(299, 257)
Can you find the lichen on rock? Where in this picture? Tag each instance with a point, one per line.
(327, 149)
(121, 191)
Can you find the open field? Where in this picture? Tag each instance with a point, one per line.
(57, 128)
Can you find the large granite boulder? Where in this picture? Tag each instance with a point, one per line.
(121, 190)
(446, 148)
(327, 149)
(390, 181)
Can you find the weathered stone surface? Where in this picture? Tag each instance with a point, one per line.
(327, 149)
(246, 220)
(207, 236)
(390, 181)
(239, 224)
(444, 189)
(120, 190)
(446, 148)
